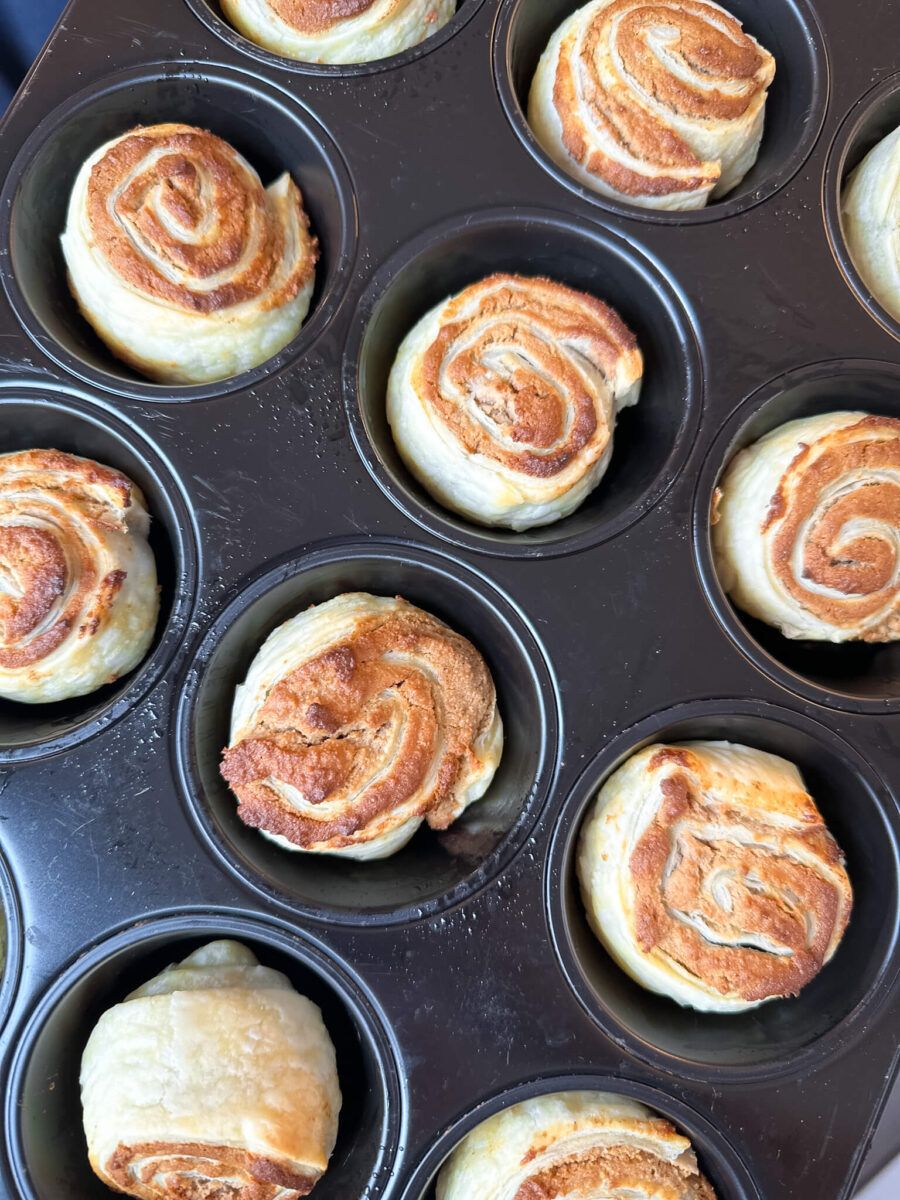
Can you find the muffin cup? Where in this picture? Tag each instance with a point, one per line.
(58, 418)
(870, 120)
(855, 676)
(273, 131)
(44, 1134)
(783, 1035)
(11, 912)
(210, 13)
(795, 109)
(718, 1159)
(436, 869)
(652, 440)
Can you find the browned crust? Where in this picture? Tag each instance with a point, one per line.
(198, 179)
(555, 422)
(312, 17)
(54, 566)
(662, 889)
(862, 570)
(617, 1168)
(619, 110)
(194, 1171)
(333, 725)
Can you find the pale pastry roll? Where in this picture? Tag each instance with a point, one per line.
(338, 31)
(78, 595)
(806, 528)
(503, 399)
(574, 1146)
(659, 103)
(186, 266)
(214, 1079)
(708, 874)
(358, 720)
(871, 221)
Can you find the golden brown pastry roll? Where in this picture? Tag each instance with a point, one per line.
(871, 216)
(503, 399)
(214, 1079)
(806, 527)
(708, 874)
(187, 267)
(338, 31)
(658, 103)
(359, 719)
(78, 595)
(574, 1146)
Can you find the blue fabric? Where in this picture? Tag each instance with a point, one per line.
(24, 27)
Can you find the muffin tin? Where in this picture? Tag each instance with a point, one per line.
(458, 976)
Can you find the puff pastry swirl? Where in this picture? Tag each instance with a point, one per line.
(660, 103)
(338, 31)
(359, 719)
(806, 530)
(708, 874)
(871, 221)
(186, 266)
(574, 1146)
(215, 1078)
(503, 399)
(78, 594)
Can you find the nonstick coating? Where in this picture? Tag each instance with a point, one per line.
(459, 975)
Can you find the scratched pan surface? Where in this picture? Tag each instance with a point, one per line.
(459, 976)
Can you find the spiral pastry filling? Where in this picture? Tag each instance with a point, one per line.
(359, 719)
(659, 101)
(215, 1080)
(180, 258)
(78, 594)
(503, 399)
(726, 888)
(807, 528)
(338, 31)
(584, 1144)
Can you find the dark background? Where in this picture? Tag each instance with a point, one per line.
(24, 27)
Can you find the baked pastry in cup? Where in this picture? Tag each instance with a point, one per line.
(708, 874)
(870, 214)
(215, 1074)
(657, 103)
(503, 399)
(346, 32)
(83, 602)
(185, 265)
(805, 528)
(574, 1144)
(358, 720)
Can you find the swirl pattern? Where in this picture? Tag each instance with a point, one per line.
(214, 1079)
(359, 719)
(187, 267)
(503, 399)
(574, 1144)
(78, 594)
(657, 102)
(870, 211)
(806, 528)
(338, 31)
(709, 875)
